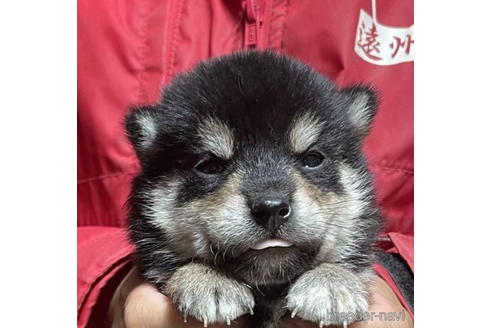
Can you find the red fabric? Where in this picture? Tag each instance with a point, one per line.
(127, 50)
(101, 253)
(403, 246)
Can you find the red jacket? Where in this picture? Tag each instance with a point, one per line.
(127, 50)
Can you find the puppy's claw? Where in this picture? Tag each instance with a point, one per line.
(321, 324)
(228, 321)
(345, 324)
(293, 314)
(251, 310)
(185, 320)
(205, 322)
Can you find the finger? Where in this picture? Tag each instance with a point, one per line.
(147, 307)
(383, 300)
(139, 304)
(297, 323)
(384, 303)
(119, 298)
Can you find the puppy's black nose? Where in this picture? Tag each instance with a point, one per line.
(271, 213)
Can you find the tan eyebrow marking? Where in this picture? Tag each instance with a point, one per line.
(304, 132)
(217, 137)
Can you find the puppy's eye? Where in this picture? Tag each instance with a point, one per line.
(313, 159)
(210, 166)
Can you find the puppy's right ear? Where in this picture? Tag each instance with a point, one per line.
(362, 103)
(142, 128)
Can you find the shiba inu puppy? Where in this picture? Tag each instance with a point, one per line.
(253, 195)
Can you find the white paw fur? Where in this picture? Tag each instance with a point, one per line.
(328, 295)
(207, 295)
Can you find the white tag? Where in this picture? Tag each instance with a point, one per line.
(380, 44)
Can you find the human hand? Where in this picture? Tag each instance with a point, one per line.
(139, 304)
(383, 299)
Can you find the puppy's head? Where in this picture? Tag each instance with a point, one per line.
(253, 162)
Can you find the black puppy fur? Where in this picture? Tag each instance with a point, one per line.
(241, 130)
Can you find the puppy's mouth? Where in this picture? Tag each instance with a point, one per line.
(271, 243)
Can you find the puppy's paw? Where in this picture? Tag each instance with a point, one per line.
(203, 293)
(328, 295)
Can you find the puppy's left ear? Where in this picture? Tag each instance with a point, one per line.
(361, 104)
(142, 129)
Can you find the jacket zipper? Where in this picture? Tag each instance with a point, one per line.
(253, 23)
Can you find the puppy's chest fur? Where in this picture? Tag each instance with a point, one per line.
(254, 197)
